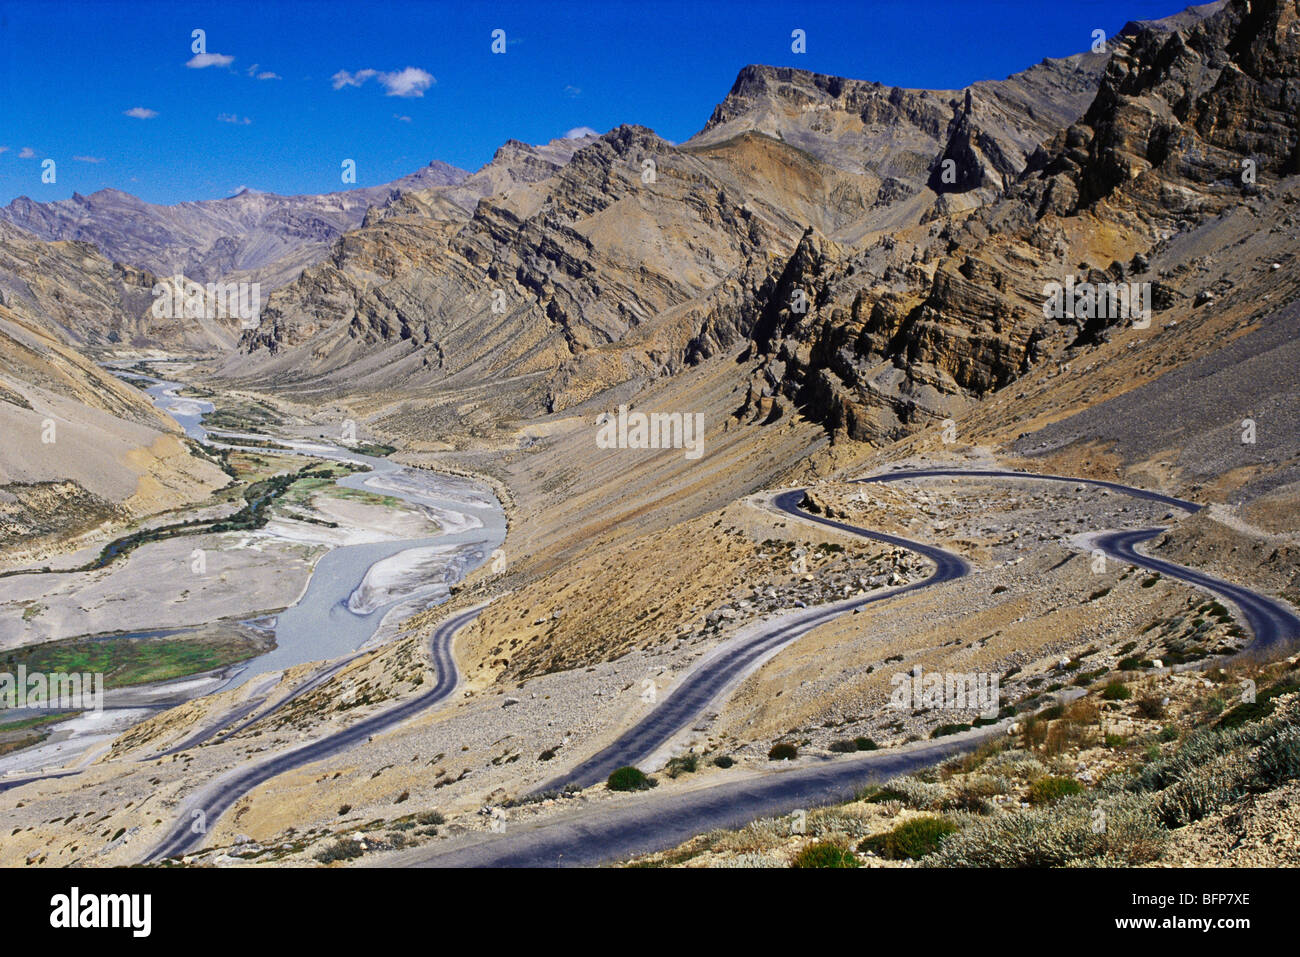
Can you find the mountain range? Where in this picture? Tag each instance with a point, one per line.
(868, 258)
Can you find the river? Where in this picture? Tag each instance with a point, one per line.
(353, 587)
(351, 591)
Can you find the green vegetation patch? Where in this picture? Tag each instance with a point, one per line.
(825, 854)
(1116, 691)
(131, 661)
(343, 850)
(911, 840)
(630, 779)
(1048, 789)
(374, 449)
(1263, 705)
(783, 751)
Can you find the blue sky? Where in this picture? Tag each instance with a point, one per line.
(287, 91)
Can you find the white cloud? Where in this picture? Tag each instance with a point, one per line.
(26, 153)
(233, 118)
(572, 92)
(4, 149)
(201, 60)
(409, 82)
(344, 78)
(262, 74)
(400, 118)
(140, 113)
(578, 132)
(89, 159)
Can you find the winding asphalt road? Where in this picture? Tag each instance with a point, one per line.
(241, 714)
(658, 821)
(1128, 490)
(217, 798)
(708, 682)
(588, 836)
(1275, 626)
(653, 822)
(1272, 622)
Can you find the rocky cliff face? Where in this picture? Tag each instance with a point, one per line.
(1181, 115)
(882, 254)
(581, 267)
(545, 284)
(85, 300)
(902, 137)
(909, 330)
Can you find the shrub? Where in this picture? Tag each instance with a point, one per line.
(1016, 763)
(1217, 766)
(341, 850)
(1202, 747)
(431, 818)
(882, 795)
(1151, 706)
(629, 779)
(968, 800)
(683, 764)
(1033, 732)
(908, 790)
(1116, 691)
(1083, 711)
(1203, 791)
(825, 854)
(1049, 789)
(1057, 728)
(986, 785)
(912, 839)
(1279, 758)
(843, 747)
(1072, 831)
(723, 761)
(865, 744)
(946, 729)
(783, 752)
(1259, 709)
(344, 809)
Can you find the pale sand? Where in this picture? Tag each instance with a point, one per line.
(157, 587)
(400, 575)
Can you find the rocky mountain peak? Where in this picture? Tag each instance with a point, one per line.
(1195, 107)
